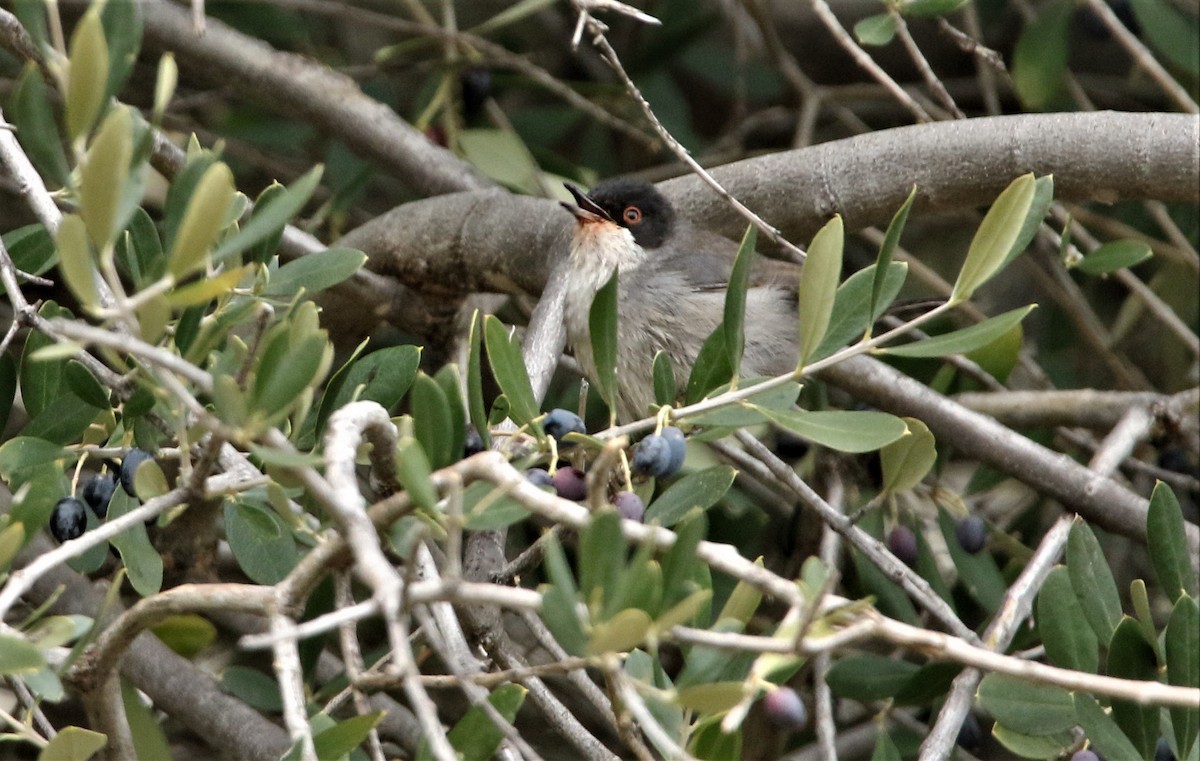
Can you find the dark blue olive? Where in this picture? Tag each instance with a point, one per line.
(785, 709)
(970, 734)
(98, 491)
(903, 543)
(68, 521)
(473, 443)
(674, 437)
(560, 422)
(129, 466)
(652, 457)
(1162, 751)
(972, 533)
(630, 506)
(539, 478)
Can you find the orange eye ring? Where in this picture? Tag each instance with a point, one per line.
(632, 215)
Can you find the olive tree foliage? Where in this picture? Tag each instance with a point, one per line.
(276, 375)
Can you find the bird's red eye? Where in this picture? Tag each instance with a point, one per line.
(632, 215)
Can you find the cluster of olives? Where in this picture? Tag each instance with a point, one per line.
(68, 520)
(657, 455)
(971, 533)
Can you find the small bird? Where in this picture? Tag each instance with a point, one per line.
(671, 290)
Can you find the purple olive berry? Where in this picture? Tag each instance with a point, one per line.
(903, 543)
(652, 457)
(129, 465)
(571, 483)
(630, 506)
(560, 422)
(972, 533)
(678, 445)
(539, 478)
(785, 709)
(68, 521)
(1085, 755)
(98, 492)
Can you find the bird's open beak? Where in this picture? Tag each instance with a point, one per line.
(584, 208)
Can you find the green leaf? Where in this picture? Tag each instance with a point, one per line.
(475, 404)
(501, 155)
(964, 340)
(509, 370)
(122, 23)
(716, 697)
(995, 237)
(475, 736)
(1114, 256)
(73, 744)
(1026, 707)
(269, 219)
(142, 561)
(149, 740)
(18, 656)
(885, 748)
(1102, 732)
(287, 369)
(1130, 656)
(1092, 580)
(1043, 198)
(1039, 64)
(875, 31)
(432, 423)
(735, 299)
(818, 285)
(200, 292)
(749, 411)
(314, 273)
(883, 263)
(412, 468)
(696, 490)
(601, 556)
(140, 251)
(1034, 746)
(203, 221)
(711, 369)
(906, 460)
(186, 634)
(842, 430)
(620, 633)
(602, 322)
(487, 507)
(88, 74)
(37, 129)
(869, 677)
(678, 563)
(1181, 643)
(345, 736)
(103, 174)
(382, 376)
(558, 611)
(1170, 32)
(75, 261)
(851, 318)
(252, 687)
(1069, 640)
(84, 385)
(149, 481)
(450, 381)
(22, 455)
(260, 541)
(8, 387)
(664, 379)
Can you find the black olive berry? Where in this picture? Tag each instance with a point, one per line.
(129, 466)
(98, 491)
(971, 533)
(903, 543)
(785, 709)
(560, 422)
(68, 521)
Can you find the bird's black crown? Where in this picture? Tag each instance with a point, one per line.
(638, 207)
